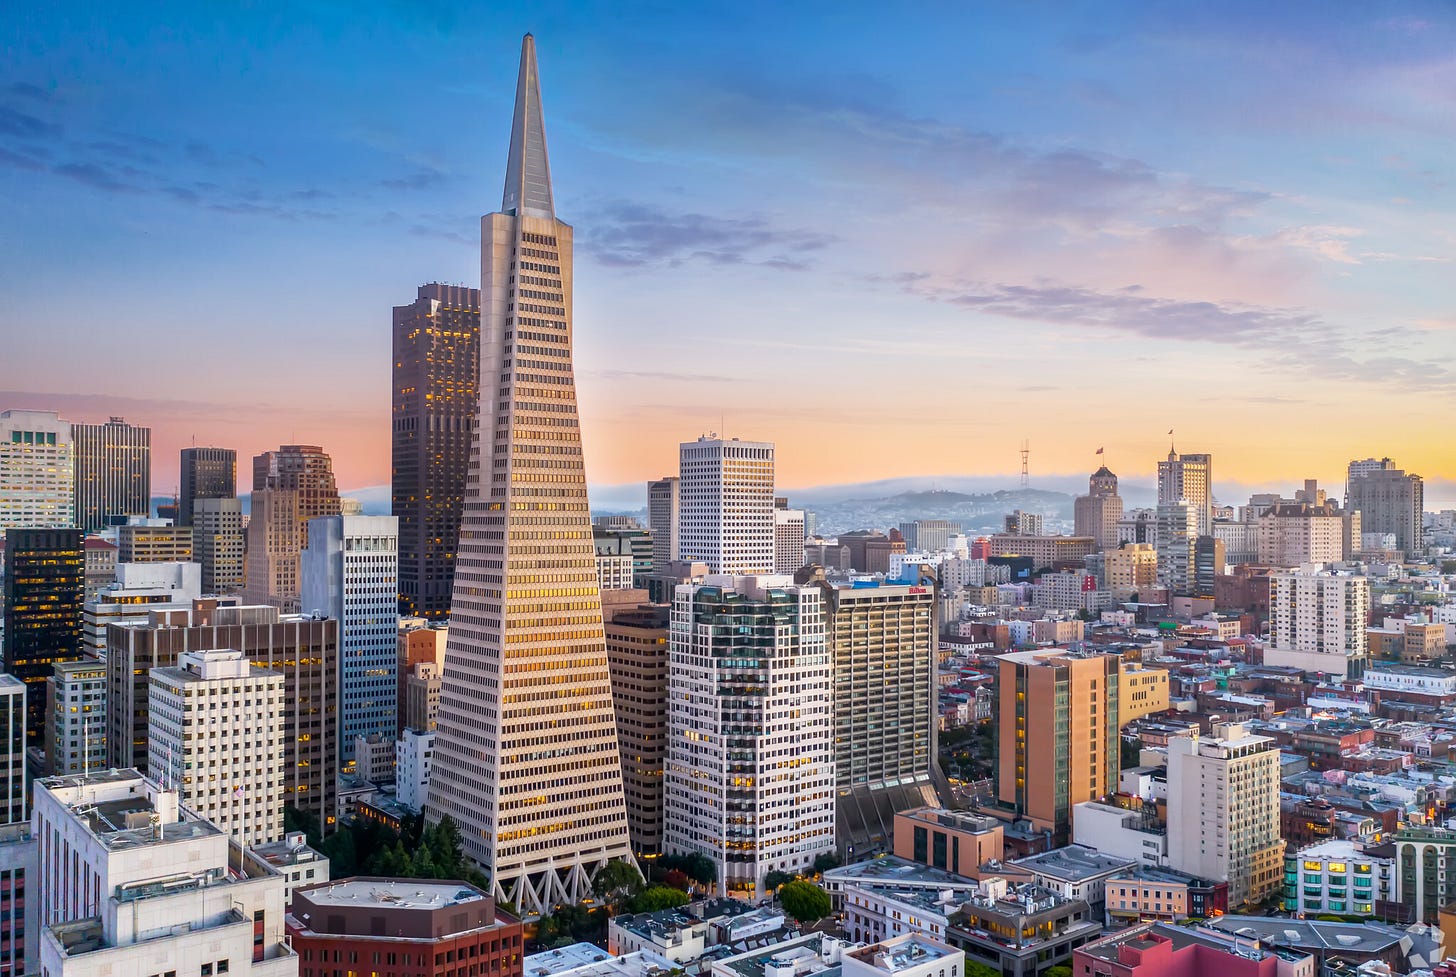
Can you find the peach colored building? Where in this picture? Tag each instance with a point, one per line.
(955, 841)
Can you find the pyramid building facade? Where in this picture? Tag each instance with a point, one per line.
(526, 757)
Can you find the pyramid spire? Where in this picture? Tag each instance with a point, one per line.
(528, 171)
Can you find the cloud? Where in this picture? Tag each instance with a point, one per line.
(663, 375)
(94, 175)
(16, 124)
(628, 234)
(215, 412)
(418, 180)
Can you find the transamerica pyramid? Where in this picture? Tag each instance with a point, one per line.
(526, 748)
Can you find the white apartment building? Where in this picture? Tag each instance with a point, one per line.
(75, 737)
(350, 573)
(1291, 536)
(1240, 540)
(140, 588)
(291, 857)
(17, 844)
(1119, 831)
(664, 512)
(788, 540)
(749, 774)
(1317, 621)
(1420, 679)
(726, 515)
(910, 955)
(414, 753)
(215, 734)
(614, 571)
(1176, 533)
(1070, 592)
(37, 470)
(1223, 810)
(132, 882)
(1337, 876)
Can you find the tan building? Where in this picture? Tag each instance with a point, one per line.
(1058, 744)
(1144, 691)
(637, 655)
(1097, 513)
(1423, 642)
(1223, 811)
(290, 486)
(1130, 569)
(418, 641)
(955, 841)
(153, 544)
(1293, 535)
(422, 697)
(1044, 551)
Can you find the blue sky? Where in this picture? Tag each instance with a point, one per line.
(895, 241)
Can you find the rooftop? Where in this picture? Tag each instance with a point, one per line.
(812, 954)
(1337, 848)
(392, 893)
(1317, 935)
(290, 851)
(893, 870)
(903, 953)
(589, 960)
(1074, 863)
(957, 820)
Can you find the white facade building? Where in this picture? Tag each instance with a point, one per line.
(414, 753)
(37, 470)
(351, 573)
(664, 512)
(909, 955)
(1317, 621)
(140, 588)
(727, 511)
(1420, 679)
(1119, 831)
(1223, 810)
(291, 857)
(1176, 533)
(75, 737)
(131, 882)
(1337, 876)
(614, 571)
(749, 773)
(215, 733)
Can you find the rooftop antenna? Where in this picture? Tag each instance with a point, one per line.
(1025, 462)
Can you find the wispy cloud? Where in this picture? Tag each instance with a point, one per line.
(628, 234)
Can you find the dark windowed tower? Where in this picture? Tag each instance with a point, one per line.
(207, 473)
(45, 586)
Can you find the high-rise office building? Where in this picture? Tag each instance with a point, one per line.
(748, 780)
(351, 574)
(113, 472)
(637, 656)
(304, 649)
(1097, 513)
(527, 691)
(436, 391)
(217, 544)
(1177, 534)
(37, 470)
(664, 512)
(1188, 478)
(19, 853)
(928, 535)
(140, 588)
(1209, 561)
(882, 641)
(1057, 734)
(215, 728)
(1317, 622)
(1390, 501)
(1223, 811)
(1019, 523)
(148, 885)
(1130, 569)
(13, 808)
(206, 473)
(788, 540)
(290, 486)
(152, 541)
(75, 737)
(45, 587)
(727, 504)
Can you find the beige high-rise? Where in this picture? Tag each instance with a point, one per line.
(526, 757)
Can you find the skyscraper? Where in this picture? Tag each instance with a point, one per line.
(1189, 478)
(436, 395)
(1317, 622)
(45, 589)
(1390, 501)
(1176, 535)
(637, 654)
(217, 544)
(1097, 513)
(37, 470)
(788, 540)
(526, 756)
(19, 851)
(749, 776)
(727, 504)
(113, 472)
(290, 486)
(1057, 733)
(351, 574)
(207, 473)
(664, 512)
(76, 734)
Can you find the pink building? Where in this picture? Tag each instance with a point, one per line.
(1159, 950)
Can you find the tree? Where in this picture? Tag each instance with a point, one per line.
(773, 880)
(659, 897)
(976, 969)
(804, 901)
(342, 855)
(297, 819)
(1131, 754)
(1060, 970)
(676, 878)
(616, 881)
(826, 861)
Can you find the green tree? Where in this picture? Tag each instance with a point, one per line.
(1060, 970)
(616, 881)
(340, 850)
(297, 819)
(700, 869)
(976, 969)
(658, 897)
(443, 842)
(1131, 754)
(804, 901)
(773, 880)
(826, 861)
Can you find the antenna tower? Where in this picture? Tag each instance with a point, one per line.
(1025, 463)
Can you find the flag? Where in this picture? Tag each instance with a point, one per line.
(238, 794)
(1170, 430)
(1099, 451)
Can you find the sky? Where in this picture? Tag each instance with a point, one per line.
(896, 240)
